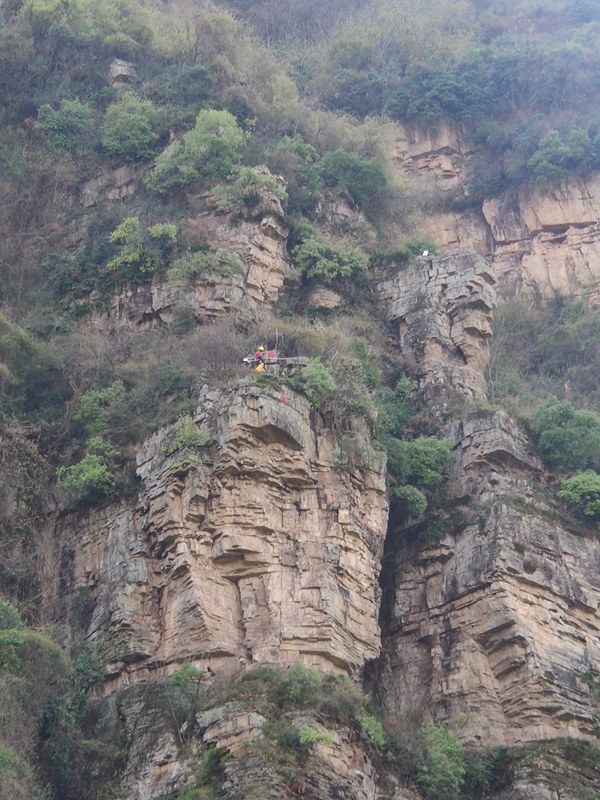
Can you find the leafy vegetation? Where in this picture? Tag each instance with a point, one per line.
(140, 250)
(443, 773)
(210, 151)
(194, 263)
(583, 492)
(320, 260)
(204, 107)
(567, 439)
(130, 128)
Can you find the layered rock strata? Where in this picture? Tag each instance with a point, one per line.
(255, 550)
(259, 245)
(440, 306)
(144, 721)
(493, 623)
(538, 239)
(264, 264)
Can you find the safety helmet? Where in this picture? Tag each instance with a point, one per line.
(261, 348)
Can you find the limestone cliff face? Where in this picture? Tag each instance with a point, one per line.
(441, 307)
(264, 265)
(260, 246)
(542, 239)
(493, 623)
(258, 550)
(156, 766)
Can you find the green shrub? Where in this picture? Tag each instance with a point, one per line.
(372, 728)
(130, 128)
(62, 127)
(17, 352)
(185, 678)
(364, 178)
(487, 770)
(96, 407)
(210, 151)
(7, 759)
(548, 163)
(411, 499)
(34, 655)
(309, 736)
(204, 262)
(185, 436)
(141, 250)
(89, 478)
(299, 686)
(395, 407)
(427, 460)
(11, 644)
(299, 163)
(583, 492)
(567, 439)
(320, 260)
(9, 616)
(316, 381)
(251, 193)
(442, 775)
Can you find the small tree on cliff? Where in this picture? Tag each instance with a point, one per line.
(210, 151)
(583, 492)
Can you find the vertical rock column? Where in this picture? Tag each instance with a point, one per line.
(258, 550)
(441, 307)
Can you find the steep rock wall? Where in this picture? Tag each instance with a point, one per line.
(545, 239)
(494, 623)
(259, 551)
(260, 246)
(264, 265)
(441, 308)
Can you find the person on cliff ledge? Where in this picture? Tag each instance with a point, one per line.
(259, 358)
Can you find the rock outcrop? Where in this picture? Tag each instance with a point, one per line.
(256, 550)
(264, 264)
(259, 245)
(541, 239)
(493, 623)
(441, 308)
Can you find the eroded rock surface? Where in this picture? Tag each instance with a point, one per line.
(441, 307)
(495, 624)
(542, 239)
(258, 551)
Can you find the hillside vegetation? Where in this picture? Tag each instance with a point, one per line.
(214, 92)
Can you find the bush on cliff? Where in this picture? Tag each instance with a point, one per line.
(316, 381)
(567, 439)
(582, 491)
(319, 260)
(441, 776)
(211, 150)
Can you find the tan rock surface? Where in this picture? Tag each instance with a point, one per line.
(542, 239)
(260, 552)
(439, 150)
(441, 307)
(496, 624)
(264, 260)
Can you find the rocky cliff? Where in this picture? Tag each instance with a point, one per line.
(539, 239)
(441, 306)
(264, 545)
(259, 548)
(492, 621)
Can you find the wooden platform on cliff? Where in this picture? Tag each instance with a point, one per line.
(275, 363)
